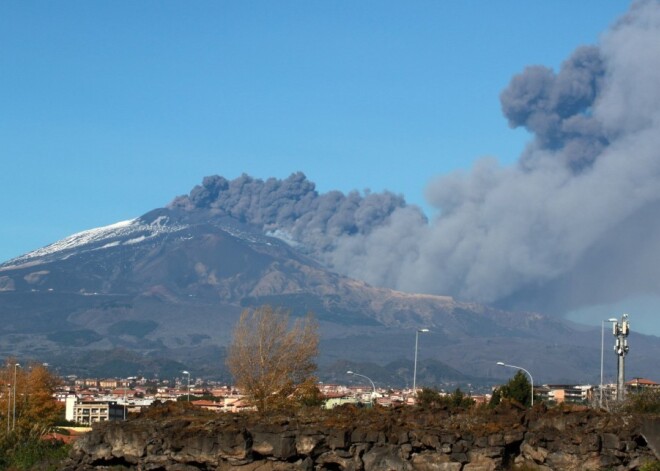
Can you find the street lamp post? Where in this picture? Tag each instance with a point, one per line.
(187, 373)
(531, 380)
(16, 366)
(415, 367)
(602, 349)
(373, 394)
(8, 404)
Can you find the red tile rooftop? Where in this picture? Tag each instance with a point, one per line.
(334, 395)
(209, 405)
(642, 382)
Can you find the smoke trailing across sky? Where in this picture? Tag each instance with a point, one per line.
(572, 223)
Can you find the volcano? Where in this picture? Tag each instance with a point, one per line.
(165, 289)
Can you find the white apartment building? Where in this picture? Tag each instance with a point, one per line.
(89, 412)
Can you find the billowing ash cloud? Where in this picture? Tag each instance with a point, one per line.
(574, 222)
(557, 108)
(292, 209)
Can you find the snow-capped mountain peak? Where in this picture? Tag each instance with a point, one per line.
(132, 231)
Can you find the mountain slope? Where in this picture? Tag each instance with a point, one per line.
(171, 284)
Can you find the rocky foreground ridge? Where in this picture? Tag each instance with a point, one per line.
(351, 439)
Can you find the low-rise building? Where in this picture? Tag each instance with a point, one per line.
(108, 383)
(209, 405)
(638, 384)
(89, 412)
(560, 393)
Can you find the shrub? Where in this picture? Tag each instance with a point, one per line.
(26, 449)
(650, 466)
(646, 401)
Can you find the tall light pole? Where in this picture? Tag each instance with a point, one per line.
(187, 373)
(8, 405)
(373, 394)
(415, 367)
(531, 380)
(602, 349)
(16, 366)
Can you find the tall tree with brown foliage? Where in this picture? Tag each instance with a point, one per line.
(269, 358)
(27, 390)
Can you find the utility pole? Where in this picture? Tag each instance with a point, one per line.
(16, 365)
(415, 367)
(8, 406)
(620, 330)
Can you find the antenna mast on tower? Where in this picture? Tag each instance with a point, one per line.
(620, 330)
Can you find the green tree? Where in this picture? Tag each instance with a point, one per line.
(517, 389)
(271, 360)
(495, 398)
(458, 399)
(428, 397)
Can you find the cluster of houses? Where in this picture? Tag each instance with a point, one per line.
(92, 400)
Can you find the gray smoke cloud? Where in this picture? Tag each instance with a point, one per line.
(572, 223)
(292, 209)
(557, 108)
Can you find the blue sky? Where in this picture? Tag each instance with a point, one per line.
(111, 109)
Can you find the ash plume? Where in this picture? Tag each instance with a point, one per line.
(573, 222)
(556, 108)
(293, 210)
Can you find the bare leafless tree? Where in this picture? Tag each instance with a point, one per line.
(269, 358)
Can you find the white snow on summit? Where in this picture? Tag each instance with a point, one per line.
(93, 239)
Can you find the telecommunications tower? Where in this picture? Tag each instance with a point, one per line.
(620, 330)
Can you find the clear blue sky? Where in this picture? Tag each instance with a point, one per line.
(111, 109)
